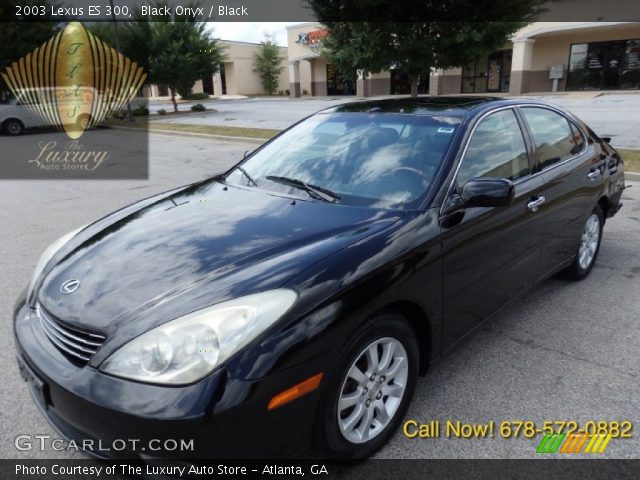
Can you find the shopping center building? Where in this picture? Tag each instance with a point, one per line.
(236, 75)
(542, 57)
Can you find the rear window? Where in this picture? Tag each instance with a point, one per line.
(554, 138)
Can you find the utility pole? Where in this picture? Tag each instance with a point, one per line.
(117, 38)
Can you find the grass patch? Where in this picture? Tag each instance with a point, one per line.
(262, 133)
(631, 159)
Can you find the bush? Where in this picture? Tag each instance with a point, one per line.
(141, 110)
(198, 107)
(195, 96)
(162, 111)
(280, 92)
(287, 91)
(304, 92)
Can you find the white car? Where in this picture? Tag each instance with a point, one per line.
(15, 117)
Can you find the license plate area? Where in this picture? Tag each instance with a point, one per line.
(36, 385)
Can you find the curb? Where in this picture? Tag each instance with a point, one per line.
(633, 176)
(256, 141)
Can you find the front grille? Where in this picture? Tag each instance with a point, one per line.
(77, 344)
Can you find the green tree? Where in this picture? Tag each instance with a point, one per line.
(417, 46)
(134, 38)
(103, 30)
(180, 53)
(268, 64)
(19, 37)
(174, 53)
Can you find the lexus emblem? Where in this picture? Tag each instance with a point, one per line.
(70, 286)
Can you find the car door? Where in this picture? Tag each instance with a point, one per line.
(26, 115)
(490, 254)
(572, 170)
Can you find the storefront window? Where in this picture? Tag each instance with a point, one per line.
(339, 84)
(604, 65)
(489, 74)
(468, 77)
(400, 82)
(630, 74)
(207, 84)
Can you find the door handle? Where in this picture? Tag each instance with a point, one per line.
(533, 205)
(593, 174)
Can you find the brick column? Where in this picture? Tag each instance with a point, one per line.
(521, 63)
(446, 82)
(217, 83)
(294, 80)
(362, 85)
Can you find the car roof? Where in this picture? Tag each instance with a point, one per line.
(453, 106)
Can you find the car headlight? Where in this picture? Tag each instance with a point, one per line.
(188, 348)
(49, 252)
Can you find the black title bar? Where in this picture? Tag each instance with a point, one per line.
(299, 10)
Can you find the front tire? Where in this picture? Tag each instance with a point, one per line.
(368, 394)
(588, 247)
(13, 127)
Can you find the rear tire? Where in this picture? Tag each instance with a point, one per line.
(366, 397)
(588, 246)
(13, 127)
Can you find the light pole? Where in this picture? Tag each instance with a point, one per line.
(117, 38)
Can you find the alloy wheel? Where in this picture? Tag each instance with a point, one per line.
(372, 390)
(589, 241)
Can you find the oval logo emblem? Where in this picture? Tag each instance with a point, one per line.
(70, 286)
(74, 81)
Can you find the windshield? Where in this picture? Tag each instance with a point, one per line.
(7, 99)
(378, 160)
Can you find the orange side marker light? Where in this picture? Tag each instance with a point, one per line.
(302, 388)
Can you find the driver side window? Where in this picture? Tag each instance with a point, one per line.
(496, 150)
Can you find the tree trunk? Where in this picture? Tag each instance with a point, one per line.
(173, 99)
(414, 85)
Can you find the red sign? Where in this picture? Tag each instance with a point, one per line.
(312, 38)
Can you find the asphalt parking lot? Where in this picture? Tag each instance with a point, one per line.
(609, 115)
(566, 351)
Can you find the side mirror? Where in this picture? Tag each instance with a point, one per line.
(606, 139)
(487, 192)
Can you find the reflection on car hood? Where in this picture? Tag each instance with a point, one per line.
(192, 248)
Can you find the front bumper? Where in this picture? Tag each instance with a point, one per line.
(225, 417)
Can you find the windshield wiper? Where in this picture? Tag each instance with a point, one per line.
(248, 177)
(316, 192)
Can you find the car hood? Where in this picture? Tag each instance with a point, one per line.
(173, 254)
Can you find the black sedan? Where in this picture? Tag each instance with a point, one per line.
(290, 304)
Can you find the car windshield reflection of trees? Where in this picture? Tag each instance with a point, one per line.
(376, 160)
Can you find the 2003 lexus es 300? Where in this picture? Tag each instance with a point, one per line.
(293, 301)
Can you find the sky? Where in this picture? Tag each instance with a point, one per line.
(251, 31)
